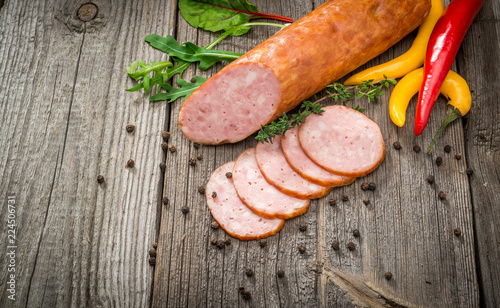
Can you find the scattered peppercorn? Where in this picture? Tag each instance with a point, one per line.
(100, 179)
(213, 241)
(372, 186)
(152, 252)
(442, 195)
(281, 273)
(192, 80)
(469, 171)
(458, 156)
(185, 209)
(130, 128)
(263, 243)
(430, 179)
(397, 145)
(355, 233)
(416, 149)
(249, 272)
(457, 231)
(302, 227)
(345, 198)
(152, 261)
(163, 166)
(164, 146)
(201, 189)
(214, 225)
(192, 161)
(241, 289)
(332, 201)
(482, 136)
(229, 175)
(214, 194)
(130, 163)
(447, 148)
(199, 157)
(439, 161)
(302, 248)
(335, 245)
(172, 148)
(196, 145)
(388, 275)
(366, 201)
(364, 186)
(246, 295)
(165, 135)
(220, 244)
(351, 246)
(155, 245)
(227, 241)
(165, 200)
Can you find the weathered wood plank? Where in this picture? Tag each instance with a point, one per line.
(65, 110)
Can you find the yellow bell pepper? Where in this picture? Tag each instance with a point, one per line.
(454, 88)
(407, 62)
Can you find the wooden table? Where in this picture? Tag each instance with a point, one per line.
(79, 243)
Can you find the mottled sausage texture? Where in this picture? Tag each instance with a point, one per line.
(294, 64)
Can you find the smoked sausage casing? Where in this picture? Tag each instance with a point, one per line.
(295, 63)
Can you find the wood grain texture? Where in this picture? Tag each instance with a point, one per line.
(64, 111)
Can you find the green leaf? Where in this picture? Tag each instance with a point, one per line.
(216, 15)
(190, 52)
(164, 77)
(146, 69)
(186, 88)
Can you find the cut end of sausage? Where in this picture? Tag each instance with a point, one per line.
(231, 213)
(343, 141)
(231, 105)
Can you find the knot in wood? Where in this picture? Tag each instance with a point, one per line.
(87, 11)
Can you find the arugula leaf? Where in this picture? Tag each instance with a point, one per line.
(190, 52)
(179, 68)
(145, 70)
(186, 88)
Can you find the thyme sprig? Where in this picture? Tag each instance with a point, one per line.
(369, 89)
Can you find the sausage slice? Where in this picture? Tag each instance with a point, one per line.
(231, 213)
(343, 141)
(277, 171)
(303, 165)
(260, 196)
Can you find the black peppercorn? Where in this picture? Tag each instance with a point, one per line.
(199, 157)
(229, 175)
(165, 135)
(249, 272)
(130, 163)
(416, 149)
(447, 148)
(130, 128)
(364, 186)
(439, 161)
(482, 136)
(281, 273)
(246, 295)
(155, 245)
(345, 198)
(351, 246)
(366, 201)
(214, 225)
(201, 189)
(241, 289)
(164, 146)
(165, 200)
(192, 161)
(152, 252)
(263, 243)
(332, 201)
(335, 245)
(469, 171)
(185, 209)
(302, 248)
(196, 145)
(372, 186)
(163, 166)
(442, 195)
(302, 227)
(152, 261)
(388, 275)
(430, 179)
(227, 241)
(214, 194)
(355, 233)
(220, 244)
(172, 148)
(397, 145)
(457, 231)
(100, 179)
(213, 241)
(458, 156)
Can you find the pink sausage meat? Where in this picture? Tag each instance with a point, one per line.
(231, 213)
(260, 196)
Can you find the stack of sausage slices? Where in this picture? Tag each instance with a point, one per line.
(251, 197)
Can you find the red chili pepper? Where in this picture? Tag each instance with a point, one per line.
(442, 48)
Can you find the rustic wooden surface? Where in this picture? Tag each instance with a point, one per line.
(63, 114)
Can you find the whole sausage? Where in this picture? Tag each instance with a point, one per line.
(294, 64)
